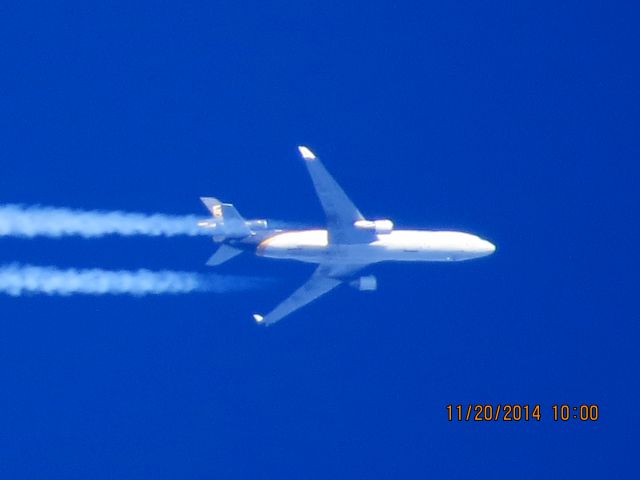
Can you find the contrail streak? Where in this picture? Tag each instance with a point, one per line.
(33, 221)
(17, 280)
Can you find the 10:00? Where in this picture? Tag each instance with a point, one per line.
(583, 412)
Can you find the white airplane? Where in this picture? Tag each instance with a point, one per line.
(349, 243)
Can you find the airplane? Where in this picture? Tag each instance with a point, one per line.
(348, 244)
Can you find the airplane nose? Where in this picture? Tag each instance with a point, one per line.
(487, 247)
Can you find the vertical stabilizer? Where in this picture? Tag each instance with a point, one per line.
(228, 222)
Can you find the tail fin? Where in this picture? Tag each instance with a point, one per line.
(228, 222)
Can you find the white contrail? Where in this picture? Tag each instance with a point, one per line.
(17, 280)
(33, 221)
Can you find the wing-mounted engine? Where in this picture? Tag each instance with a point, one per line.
(377, 226)
(368, 283)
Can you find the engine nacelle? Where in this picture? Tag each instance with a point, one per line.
(208, 224)
(378, 226)
(365, 284)
(256, 224)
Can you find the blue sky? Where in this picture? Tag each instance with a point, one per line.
(518, 122)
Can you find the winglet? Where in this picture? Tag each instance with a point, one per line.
(258, 318)
(306, 153)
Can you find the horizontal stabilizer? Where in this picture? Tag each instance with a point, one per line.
(222, 255)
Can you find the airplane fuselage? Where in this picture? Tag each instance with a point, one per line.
(312, 246)
(348, 245)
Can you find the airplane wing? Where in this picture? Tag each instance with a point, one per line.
(324, 279)
(340, 211)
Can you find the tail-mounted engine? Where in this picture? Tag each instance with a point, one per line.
(365, 284)
(378, 226)
(256, 224)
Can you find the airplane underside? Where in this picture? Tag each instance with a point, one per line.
(348, 244)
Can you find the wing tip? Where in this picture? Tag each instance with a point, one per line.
(306, 153)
